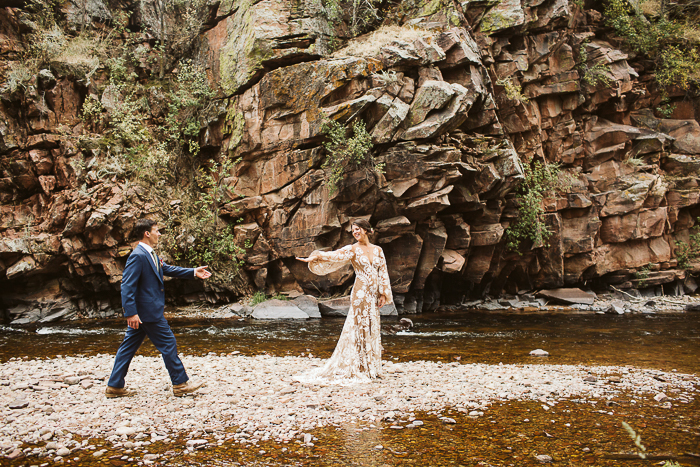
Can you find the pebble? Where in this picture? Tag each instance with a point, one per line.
(18, 404)
(539, 353)
(544, 458)
(268, 405)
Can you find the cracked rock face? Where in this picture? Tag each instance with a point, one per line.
(452, 139)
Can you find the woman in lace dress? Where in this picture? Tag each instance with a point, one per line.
(358, 354)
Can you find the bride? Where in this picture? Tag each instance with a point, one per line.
(358, 354)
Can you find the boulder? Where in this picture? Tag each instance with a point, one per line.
(569, 295)
(335, 307)
(451, 262)
(278, 309)
(383, 131)
(453, 115)
(308, 305)
(430, 96)
(340, 307)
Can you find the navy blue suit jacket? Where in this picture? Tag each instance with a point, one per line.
(143, 293)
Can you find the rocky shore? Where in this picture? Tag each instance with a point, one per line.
(306, 306)
(50, 409)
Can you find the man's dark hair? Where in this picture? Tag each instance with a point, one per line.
(141, 227)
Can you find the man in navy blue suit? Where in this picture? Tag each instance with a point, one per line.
(143, 300)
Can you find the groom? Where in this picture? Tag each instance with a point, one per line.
(143, 300)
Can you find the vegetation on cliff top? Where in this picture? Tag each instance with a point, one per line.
(667, 33)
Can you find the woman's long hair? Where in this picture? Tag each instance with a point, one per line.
(363, 224)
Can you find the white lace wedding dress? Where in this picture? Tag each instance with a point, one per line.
(358, 354)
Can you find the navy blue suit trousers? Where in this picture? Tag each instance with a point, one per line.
(162, 336)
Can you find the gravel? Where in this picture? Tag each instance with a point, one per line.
(258, 400)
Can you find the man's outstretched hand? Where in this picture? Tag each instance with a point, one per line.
(133, 321)
(201, 272)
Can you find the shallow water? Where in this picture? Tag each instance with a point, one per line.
(509, 434)
(664, 341)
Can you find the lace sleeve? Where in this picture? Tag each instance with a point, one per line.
(384, 281)
(330, 261)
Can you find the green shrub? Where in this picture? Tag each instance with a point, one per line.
(512, 90)
(687, 252)
(190, 94)
(540, 180)
(92, 111)
(343, 151)
(678, 67)
(203, 238)
(258, 297)
(643, 274)
(663, 37)
(592, 75)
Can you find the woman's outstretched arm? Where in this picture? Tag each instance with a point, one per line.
(325, 262)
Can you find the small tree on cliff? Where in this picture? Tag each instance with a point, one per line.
(344, 150)
(541, 180)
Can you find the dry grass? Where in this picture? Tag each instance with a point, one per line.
(83, 51)
(691, 33)
(369, 45)
(650, 8)
(18, 75)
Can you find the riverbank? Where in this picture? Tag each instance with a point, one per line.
(617, 303)
(47, 405)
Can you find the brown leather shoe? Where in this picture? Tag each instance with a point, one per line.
(187, 387)
(113, 393)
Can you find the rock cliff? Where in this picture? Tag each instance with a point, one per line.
(459, 100)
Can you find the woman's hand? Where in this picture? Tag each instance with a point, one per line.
(381, 302)
(309, 259)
